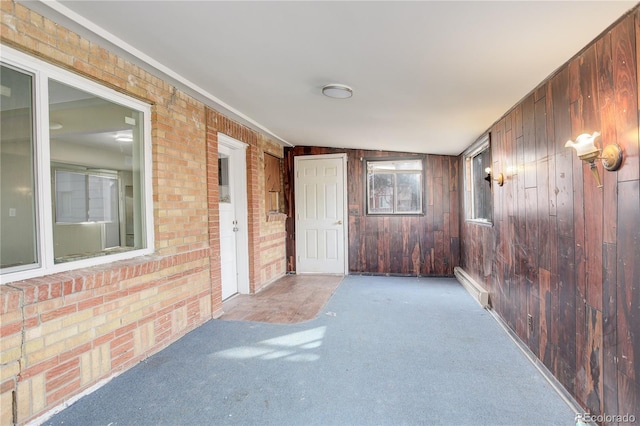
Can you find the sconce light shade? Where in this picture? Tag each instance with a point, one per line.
(585, 147)
(499, 178)
(588, 152)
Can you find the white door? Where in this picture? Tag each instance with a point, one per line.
(228, 266)
(233, 217)
(321, 214)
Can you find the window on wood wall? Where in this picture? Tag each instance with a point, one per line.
(273, 183)
(478, 198)
(394, 186)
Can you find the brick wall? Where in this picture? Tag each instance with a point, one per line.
(273, 235)
(63, 334)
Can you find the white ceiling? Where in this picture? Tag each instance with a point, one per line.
(428, 76)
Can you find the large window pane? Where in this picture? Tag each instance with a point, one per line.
(409, 193)
(74, 175)
(96, 162)
(478, 179)
(394, 187)
(482, 185)
(380, 193)
(18, 248)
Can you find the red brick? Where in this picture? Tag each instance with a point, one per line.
(9, 329)
(55, 290)
(51, 315)
(29, 295)
(7, 386)
(43, 292)
(62, 380)
(126, 329)
(124, 339)
(99, 341)
(63, 393)
(38, 368)
(90, 303)
(30, 322)
(9, 299)
(67, 288)
(121, 359)
(62, 368)
(75, 352)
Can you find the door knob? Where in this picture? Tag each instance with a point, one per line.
(339, 222)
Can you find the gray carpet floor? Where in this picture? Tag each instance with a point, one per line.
(383, 351)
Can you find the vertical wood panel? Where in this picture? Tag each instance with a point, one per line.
(529, 144)
(608, 131)
(545, 317)
(593, 386)
(530, 264)
(581, 286)
(564, 157)
(542, 182)
(404, 245)
(609, 330)
(579, 279)
(625, 95)
(592, 195)
(628, 278)
(551, 150)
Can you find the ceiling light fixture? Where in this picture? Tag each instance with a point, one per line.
(337, 91)
(54, 125)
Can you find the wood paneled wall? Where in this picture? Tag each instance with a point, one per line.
(403, 245)
(560, 249)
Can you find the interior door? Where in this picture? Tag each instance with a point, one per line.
(320, 214)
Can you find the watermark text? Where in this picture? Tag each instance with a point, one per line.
(605, 418)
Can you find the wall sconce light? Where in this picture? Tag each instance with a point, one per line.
(499, 178)
(587, 151)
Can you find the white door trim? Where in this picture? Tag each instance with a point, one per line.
(345, 221)
(238, 168)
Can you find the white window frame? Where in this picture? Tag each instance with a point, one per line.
(43, 71)
(476, 149)
(418, 172)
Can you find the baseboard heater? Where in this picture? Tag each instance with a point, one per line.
(479, 294)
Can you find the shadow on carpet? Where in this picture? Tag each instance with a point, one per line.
(383, 351)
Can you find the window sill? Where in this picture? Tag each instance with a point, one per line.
(276, 217)
(480, 222)
(82, 256)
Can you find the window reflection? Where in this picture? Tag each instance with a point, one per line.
(18, 226)
(96, 154)
(223, 179)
